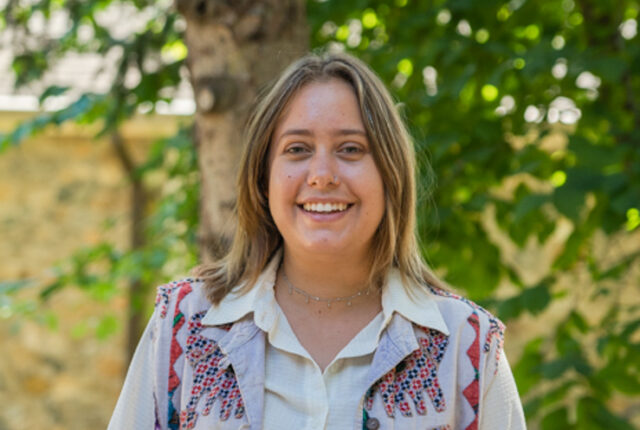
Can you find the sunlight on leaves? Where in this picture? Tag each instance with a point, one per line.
(489, 92)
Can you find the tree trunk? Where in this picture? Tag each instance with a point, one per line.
(235, 48)
(137, 290)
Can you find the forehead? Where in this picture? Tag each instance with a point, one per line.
(323, 104)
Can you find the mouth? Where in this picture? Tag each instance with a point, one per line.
(325, 208)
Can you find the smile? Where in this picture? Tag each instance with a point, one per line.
(325, 207)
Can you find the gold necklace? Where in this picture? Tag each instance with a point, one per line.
(348, 299)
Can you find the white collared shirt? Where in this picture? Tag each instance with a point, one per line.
(296, 393)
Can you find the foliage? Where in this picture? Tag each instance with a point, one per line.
(529, 113)
(149, 54)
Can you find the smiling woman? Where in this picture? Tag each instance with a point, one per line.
(325, 192)
(323, 314)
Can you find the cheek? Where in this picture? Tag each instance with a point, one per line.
(281, 184)
(379, 198)
(373, 181)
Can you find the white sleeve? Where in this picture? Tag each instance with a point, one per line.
(501, 407)
(135, 409)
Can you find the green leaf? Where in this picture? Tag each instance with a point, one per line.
(557, 419)
(107, 326)
(534, 300)
(52, 91)
(577, 320)
(571, 251)
(537, 298)
(630, 328)
(51, 320)
(53, 287)
(79, 330)
(621, 378)
(593, 414)
(103, 291)
(527, 370)
(528, 204)
(556, 368)
(569, 201)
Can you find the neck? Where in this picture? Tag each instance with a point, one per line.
(326, 276)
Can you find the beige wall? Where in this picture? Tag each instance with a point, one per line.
(57, 192)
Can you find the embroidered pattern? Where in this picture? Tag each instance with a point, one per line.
(471, 392)
(496, 327)
(496, 330)
(176, 351)
(417, 373)
(213, 378)
(164, 294)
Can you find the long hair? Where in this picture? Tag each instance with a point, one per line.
(256, 237)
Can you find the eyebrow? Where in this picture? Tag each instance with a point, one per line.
(307, 132)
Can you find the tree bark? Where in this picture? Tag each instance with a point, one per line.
(235, 48)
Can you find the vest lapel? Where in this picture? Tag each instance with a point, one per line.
(396, 342)
(244, 346)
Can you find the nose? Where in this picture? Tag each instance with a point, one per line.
(323, 171)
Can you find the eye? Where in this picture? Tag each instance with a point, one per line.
(352, 148)
(296, 149)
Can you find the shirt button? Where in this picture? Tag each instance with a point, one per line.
(372, 424)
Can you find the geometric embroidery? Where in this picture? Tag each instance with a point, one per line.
(162, 301)
(417, 373)
(213, 379)
(496, 327)
(496, 330)
(471, 392)
(176, 351)
(164, 294)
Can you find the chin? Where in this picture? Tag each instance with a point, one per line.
(328, 246)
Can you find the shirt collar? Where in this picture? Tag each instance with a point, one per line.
(418, 305)
(258, 299)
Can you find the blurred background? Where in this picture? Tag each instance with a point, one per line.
(119, 130)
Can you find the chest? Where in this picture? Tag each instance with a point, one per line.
(430, 387)
(324, 341)
(323, 332)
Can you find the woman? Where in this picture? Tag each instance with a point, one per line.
(323, 314)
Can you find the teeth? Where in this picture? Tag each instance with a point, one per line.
(324, 207)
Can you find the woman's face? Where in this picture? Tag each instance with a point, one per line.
(325, 191)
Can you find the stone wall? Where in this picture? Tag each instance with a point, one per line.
(58, 191)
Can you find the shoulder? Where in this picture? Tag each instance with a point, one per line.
(179, 338)
(185, 296)
(463, 315)
(180, 309)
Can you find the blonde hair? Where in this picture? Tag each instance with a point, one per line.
(256, 237)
